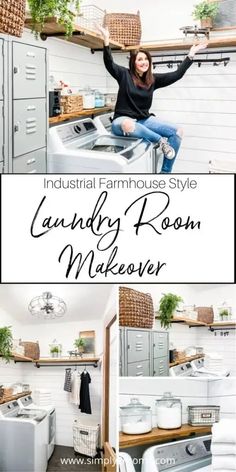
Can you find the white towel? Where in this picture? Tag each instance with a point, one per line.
(75, 388)
(222, 449)
(224, 431)
(226, 462)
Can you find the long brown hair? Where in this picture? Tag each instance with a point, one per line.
(147, 79)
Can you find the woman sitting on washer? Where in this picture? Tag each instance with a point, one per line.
(134, 100)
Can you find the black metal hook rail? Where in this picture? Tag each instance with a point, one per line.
(199, 62)
(73, 364)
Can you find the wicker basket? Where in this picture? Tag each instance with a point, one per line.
(12, 17)
(71, 103)
(205, 314)
(31, 349)
(203, 415)
(135, 308)
(125, 28)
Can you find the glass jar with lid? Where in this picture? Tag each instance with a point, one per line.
(136, 418)
(169, 412)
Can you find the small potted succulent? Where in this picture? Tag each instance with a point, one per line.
(55, 351)
(79, 344)
(206, 11)
(167, 307)
(6, 343)
(224, 314)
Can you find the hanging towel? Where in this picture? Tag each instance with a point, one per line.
(224, 462)
(224, 431)
(75, 386)
(223, 449)
(67, 383)
(85, 405)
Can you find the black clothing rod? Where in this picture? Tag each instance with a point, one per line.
(93, 364)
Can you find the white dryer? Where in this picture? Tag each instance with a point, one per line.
(23, 439)
(79, 147)
(180, 456)
(27, 403)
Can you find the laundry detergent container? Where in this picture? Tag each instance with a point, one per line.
(136, 418)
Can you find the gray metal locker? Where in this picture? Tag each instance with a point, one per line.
(1, 132)
(160, 367)
(139, 369)
(1, 69)
(160, 344)
(29, 125)
(29, 71)
(138, 345)
(31, 163)
(121, 352)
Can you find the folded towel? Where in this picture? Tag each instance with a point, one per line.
(224, 431)
(224, 462)
(221, 449)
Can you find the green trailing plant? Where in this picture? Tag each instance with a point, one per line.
(55, 350)
(80, 343)
(205, 10)
(40, 10)
(6, 343)
(167, 306)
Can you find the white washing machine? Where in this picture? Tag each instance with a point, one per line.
(79, 147)
(181, 456)
(125, 462)
(201, 371)
(27, 403)
(23, 439)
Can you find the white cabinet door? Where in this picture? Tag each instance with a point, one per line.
(29, 71)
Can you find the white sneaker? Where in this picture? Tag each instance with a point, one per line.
(167, 150)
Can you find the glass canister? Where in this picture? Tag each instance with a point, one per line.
(169, 412)
(136, 418)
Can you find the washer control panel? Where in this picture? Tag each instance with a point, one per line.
(188, 451)
(72, 131)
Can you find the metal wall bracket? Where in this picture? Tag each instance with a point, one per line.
(45, 36)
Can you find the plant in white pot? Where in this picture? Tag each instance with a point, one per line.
(206, 11)
(224, 314)
(79, 344)
(62, 10)
(167, 306)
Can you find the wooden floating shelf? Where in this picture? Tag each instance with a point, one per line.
(78, 114)
(161, 435)
(15, 397)
(183, 45)
(186, 359)
(82, 36)
(196, 324)
(59, 361)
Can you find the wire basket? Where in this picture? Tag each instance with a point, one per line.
(85, 438)
(125, 28)
(135, 308)
(12, 17)
(89, 16)
(203, 415)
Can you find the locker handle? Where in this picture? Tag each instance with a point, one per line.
(139, 373)
(17, 127)
(31, 108)
(139, 366)
(30, 54)
(16, 70)
(30, 161)
(139, 335)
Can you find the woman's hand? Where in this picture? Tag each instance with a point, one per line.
(196, 48)
(104, 33)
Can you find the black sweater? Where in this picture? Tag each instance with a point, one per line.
(132, 100)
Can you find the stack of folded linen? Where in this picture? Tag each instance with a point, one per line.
(223, 446)
(213, 362)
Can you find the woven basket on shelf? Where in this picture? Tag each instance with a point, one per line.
(31, 349)
(71, 103)
(205, 314)
(12, 17)
(135, 308)
(125, 28)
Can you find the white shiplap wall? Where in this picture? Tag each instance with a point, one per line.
(203, 102)
(10, 373)
(223, 393)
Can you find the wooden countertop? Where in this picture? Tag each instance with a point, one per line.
(78, 114)
(161, 435)
(186, 359)
(14, 397)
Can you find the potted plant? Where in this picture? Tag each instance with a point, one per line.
(63, 10)
(79, 344)
(205, 12)
(55, 351)
(6, 343)
(168, 304)
(224, 314)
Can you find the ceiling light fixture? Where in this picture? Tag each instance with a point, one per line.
(47, 306)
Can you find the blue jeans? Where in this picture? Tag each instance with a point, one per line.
(152, 130)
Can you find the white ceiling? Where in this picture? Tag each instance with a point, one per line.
(84, 301)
